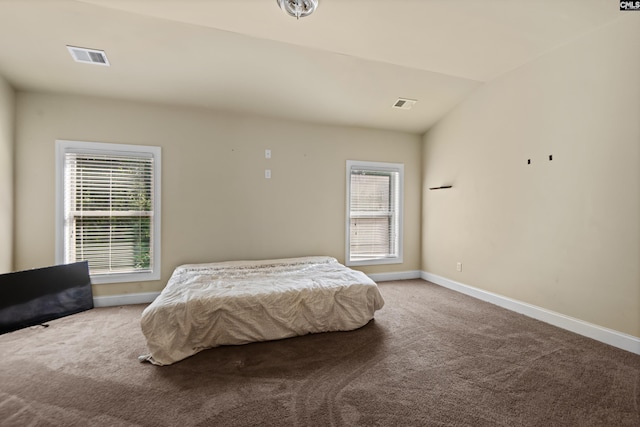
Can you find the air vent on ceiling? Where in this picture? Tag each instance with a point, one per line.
(89, 56)
(404, 103)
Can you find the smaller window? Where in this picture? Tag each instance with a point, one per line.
(108, 209)
(374, 213)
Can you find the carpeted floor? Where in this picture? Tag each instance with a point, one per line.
(431, 357)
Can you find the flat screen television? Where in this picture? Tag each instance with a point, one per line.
(32, 297)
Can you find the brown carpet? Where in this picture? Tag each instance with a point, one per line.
(431, 357)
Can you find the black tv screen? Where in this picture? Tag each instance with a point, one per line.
(32, 297)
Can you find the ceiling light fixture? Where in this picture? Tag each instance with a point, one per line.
(298, 8)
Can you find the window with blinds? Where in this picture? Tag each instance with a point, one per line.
(109, 209)
(374, 213)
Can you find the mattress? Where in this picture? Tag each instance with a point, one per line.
(238, 302)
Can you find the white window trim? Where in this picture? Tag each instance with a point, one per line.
(385, 167)
(64, 146)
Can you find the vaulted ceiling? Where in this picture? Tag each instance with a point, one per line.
(345, 64)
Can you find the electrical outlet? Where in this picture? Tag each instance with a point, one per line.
(459, 266)
(267, 173)
(267, 154)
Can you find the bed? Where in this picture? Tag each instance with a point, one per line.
(238, 302)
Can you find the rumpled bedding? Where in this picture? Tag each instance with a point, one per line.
(238, 302)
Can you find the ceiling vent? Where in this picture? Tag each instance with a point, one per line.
(89, 56)
(404, 103)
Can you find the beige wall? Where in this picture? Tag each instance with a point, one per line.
(7, 101)
(216, 203)
(562, 234)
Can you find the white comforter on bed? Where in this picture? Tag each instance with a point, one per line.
(237, 302)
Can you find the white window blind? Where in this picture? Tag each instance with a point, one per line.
(110, 211)
(374, 213)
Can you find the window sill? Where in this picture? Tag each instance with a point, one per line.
(374, 261)
(124, 277)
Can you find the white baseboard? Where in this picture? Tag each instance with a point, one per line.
(124, 299)
(598, 333)
(145, 298)
(400, 275)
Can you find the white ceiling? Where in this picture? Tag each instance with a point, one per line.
(345, 64)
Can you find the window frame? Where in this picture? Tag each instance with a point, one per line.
(399, 217)
(62, 148)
